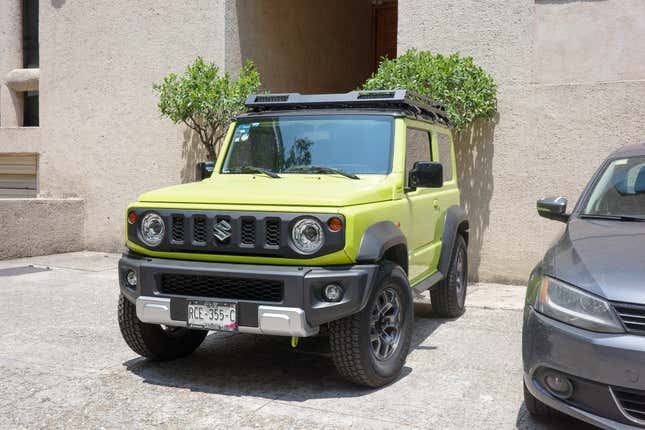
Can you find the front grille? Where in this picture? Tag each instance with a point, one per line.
(273, 232)
(248, 231)
(259, 290)
(178, 228)
(632, 316)
(632, 402)
(199, 228)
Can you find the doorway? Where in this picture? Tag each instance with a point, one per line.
(315, 46)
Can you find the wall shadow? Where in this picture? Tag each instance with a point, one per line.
(192, 152)
(267, 366)
(474, 152)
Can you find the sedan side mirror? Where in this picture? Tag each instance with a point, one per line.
(426, 175)
(553, 208)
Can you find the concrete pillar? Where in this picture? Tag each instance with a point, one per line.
(10, 59)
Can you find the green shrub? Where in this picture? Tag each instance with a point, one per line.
(466, 90)
(205, 101)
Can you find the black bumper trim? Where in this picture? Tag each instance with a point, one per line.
(302, 285)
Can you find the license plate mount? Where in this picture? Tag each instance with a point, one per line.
(212, 315)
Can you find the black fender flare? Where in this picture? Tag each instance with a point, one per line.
(377, 239)
(455, 217)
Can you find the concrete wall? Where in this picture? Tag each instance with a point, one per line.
(40, 226)
(100, 136)
(309, 47)
(571, 78)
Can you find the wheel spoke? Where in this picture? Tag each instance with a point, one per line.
(385, 324)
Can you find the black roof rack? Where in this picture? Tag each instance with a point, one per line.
(412, 103)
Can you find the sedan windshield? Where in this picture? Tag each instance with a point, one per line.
(320, 144)
(620, 191)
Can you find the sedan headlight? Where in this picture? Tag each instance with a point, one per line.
(152, 229)
(573, 306)
(308, 236)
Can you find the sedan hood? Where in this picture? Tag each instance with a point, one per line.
(288, 190)
(606, 258)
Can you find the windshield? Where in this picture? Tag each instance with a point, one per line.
(620, 191)
(351, 144)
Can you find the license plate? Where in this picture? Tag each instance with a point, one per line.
(210, 315)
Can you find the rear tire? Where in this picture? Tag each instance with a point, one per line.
(153, 340)
(370, 347)
(536, 407)
(449, 298)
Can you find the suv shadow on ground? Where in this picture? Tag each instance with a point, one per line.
(267, 366)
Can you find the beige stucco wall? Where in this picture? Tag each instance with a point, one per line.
(101, 137)
(40, 226)
(313, 46)
(571, 81)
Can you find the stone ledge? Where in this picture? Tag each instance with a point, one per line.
(21, 80)
(33, 227)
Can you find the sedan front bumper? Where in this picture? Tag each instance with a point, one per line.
(601, 366)
(277, 300)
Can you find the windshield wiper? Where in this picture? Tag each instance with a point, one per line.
(614, 217)
(253, 169)
(321, 169)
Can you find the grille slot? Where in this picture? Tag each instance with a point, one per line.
(260, 290)
(632, 316)
(272, 232)
(178, 228)
(248, 231)
(199, 228)
(632, 402)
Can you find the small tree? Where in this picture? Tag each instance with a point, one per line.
(466, 90)
(205, 101)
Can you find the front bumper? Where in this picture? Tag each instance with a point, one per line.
(299, 311)
(600, 366)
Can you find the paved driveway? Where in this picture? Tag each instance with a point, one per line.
(63, 364)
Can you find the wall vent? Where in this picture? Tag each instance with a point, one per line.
(18, 175)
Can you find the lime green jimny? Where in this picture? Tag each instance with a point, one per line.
(324, 215)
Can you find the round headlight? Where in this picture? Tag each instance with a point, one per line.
(308, 236)
(152, 229)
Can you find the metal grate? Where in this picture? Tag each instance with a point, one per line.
(222, 287)
(632, 316)
(199, 229)
(632, 402)
(272, 232)
(248, 231)
(178, 228)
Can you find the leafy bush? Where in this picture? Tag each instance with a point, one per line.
(205, 101)
(466, 90)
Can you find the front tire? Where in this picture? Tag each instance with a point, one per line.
(153, 340)
(535, 406)
(449, 298)
(370, 347)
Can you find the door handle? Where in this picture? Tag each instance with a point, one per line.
(436, 204)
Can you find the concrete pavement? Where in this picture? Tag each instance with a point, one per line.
(63, 364)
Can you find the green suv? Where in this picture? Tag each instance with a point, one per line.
(324, 215)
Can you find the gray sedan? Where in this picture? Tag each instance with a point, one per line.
(584, 320)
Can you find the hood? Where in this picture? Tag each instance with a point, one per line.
(288, 190)
(604, 257)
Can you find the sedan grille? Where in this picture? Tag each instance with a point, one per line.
(632, 316)
(632, 402)
(259, 290)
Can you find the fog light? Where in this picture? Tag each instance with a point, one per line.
(333, 293)
(559, 385)
(131, 278)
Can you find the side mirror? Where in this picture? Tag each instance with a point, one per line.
(205, 170)
(553, 208)
(426, 175)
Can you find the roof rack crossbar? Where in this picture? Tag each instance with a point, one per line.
(416, 104)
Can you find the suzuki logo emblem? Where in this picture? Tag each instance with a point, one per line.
(222, 230)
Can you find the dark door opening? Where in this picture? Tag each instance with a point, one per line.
(316, 46)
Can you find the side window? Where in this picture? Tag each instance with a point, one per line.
(445, 155)
(417, 148)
